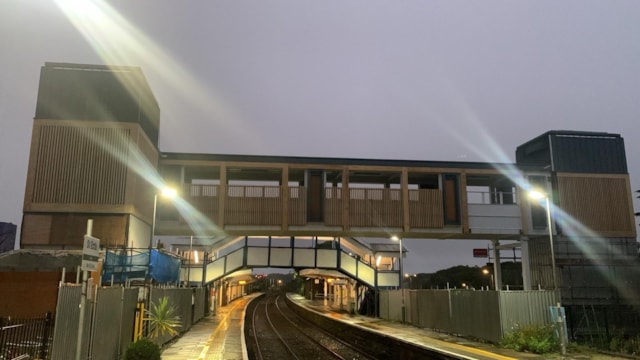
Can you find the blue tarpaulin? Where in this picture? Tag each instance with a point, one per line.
(164, 268)
(161, 267)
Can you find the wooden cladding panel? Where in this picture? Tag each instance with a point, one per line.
(333, 206)
(249, 205)
(601, 204)
(253, 205)
(261, 205)
(36, 229)
(426, 209)
(81, 165)
(142, 168)
(203, 198)
(297, 205)
(68, 230)
(375, 207)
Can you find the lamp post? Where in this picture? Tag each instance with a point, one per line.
(486, 272)
(537, 195)
(399, 240)
(166, 192)
(540, 195)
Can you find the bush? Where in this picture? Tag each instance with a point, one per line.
(538, 339)
(625, 344)
(143, 349)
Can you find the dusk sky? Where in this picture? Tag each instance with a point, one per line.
(410, 79)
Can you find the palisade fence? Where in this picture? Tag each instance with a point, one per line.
(28, 338)
(110, 318)
(484, 315)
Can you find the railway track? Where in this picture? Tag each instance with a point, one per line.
(273, 331)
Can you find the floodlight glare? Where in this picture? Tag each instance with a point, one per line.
(538, 195)
(168, 192)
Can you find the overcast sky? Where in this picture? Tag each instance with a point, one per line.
(408, 79)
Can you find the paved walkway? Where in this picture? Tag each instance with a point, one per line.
(216, 337)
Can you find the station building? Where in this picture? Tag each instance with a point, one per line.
(95, 155)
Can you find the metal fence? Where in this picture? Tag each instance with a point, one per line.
(113, 322)
(65, 333)
(110, 318)
(182, 300)
(484, 315)
(26, 338)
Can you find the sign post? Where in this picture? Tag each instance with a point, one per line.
(90, 257)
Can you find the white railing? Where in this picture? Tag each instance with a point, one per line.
(492, 197)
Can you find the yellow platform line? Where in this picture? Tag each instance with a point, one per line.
(222, 324)
(474, 350)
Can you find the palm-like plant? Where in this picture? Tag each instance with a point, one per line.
(161, 318)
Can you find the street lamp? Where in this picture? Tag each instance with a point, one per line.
(537, 195)
(540, 195)
(399, 240)
(486, 272)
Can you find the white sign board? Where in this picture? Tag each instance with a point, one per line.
(90, 253)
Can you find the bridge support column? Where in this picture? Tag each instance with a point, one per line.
(497, 271)
(351, 297)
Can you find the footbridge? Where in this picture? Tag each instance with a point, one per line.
(231, 197)
(371, 264)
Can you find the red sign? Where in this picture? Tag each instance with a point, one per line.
(483, 253)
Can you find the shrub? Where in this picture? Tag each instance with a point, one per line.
(625, 344)
(538, 339)
(143, 349)
(162, 319)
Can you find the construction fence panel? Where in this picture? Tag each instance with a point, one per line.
(182, 301)
(200, 304)
(482, 314)
(431, 309)
(518, 308)
(383, 303)
(113, 320)
(476, 314)
(391, 305)
(65, 339)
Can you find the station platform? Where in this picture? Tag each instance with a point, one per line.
(219, 336)
(215, 337)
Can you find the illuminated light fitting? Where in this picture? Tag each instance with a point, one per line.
(168, 192)
(537, 195)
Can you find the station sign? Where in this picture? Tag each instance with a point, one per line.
(90, 253)
(480, 253)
